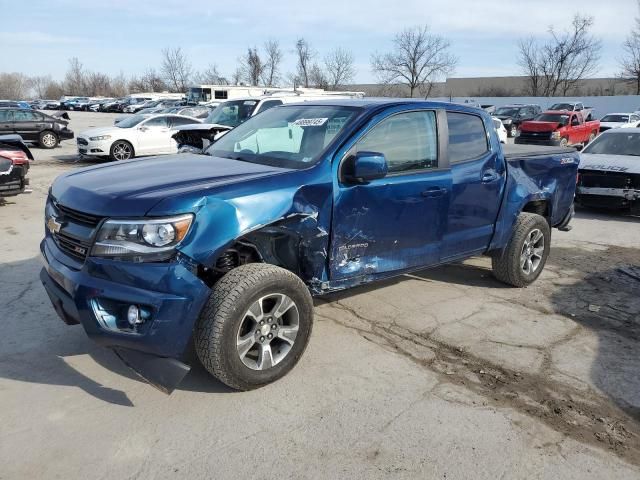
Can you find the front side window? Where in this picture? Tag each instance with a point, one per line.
(288, 137)
(409, 141)
(232, 113)
(467, 137)
(615, 143)
(6, 115)
(266, 105)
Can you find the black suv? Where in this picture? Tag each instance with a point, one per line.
(34, 126)
(513, 115)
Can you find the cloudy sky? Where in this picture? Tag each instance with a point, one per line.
(128, 36)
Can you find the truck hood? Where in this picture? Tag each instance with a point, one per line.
(133, 187)
(610, 163)
(612, 124)
(536, 126)
(202, 126)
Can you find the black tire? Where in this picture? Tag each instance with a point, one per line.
(48, 139)
(507, 267)
(118, 150)
(221, 320)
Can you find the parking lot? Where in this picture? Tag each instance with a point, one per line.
(445, 373)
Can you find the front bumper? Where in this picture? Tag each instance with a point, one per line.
(91, 147)
(172, 294)
(608, 197)
(537, 141)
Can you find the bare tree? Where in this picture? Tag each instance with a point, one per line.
(236, 78)
(211, 76)
(14, 86)
(153, 81)
(305, 55)
(176, 69)
(97, 84)
(273, 58)
(252, 66)
(318, 77)
(630, 61)
(40, 84)
(74, 79)
(339, 67)
(560, 64)
(418, 59)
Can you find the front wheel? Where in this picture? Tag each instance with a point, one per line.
(513, 131)
(592, 137)
(564, 143)
(523, 260)
(121, 150)
(255, 326)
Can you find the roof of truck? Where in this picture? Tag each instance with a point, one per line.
(376, 102)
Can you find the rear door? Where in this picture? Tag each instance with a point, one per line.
(153, 136)
(393, 223)
(28, 124)
(478, 175)
(6, 121)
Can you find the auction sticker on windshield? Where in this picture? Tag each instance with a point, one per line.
(310, 122)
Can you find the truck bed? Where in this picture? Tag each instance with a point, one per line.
(513, 152)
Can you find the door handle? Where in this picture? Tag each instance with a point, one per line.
(434, 192)
(489, 177)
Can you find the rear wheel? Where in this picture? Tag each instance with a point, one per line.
(121, 150)
(255, 326)
(523, 260)
(48, 139)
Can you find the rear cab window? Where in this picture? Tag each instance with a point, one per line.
(467, 137)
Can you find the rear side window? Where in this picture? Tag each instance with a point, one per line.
(25, 116)
(467, 137)
(177, 121)
(6, 115)
(156, 122)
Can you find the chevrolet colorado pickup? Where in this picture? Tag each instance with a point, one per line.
(219, 254)
(560, 128)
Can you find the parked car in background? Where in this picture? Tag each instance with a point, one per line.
(14, 104)
(617, 120)
(95, 105)
(513, 115)
(502, 132)
(14, 165)
(560, 128)
(587, 112)
(52, 105)
(610, 171)
(224, 251)
(34, 126)
(135, 107)
(136, 136)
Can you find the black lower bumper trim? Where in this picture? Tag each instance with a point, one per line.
(163, 373)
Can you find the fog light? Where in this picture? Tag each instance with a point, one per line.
(133, 315)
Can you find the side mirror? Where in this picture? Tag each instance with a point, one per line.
(363, 167)
(143, 128)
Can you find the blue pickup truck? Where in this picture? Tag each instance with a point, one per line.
(216, 256)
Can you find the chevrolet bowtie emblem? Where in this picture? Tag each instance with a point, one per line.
(53, 225)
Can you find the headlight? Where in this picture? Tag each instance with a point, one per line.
(61, 126)
(143, 240)
(100, 137)
(508, 121)
(555, 135)
(517, 133)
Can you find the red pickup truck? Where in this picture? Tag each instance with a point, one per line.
(558, 128)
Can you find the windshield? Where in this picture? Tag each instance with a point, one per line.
(553, 117)
(130, 121)
(232, 113)
(562, 106)
(615, 143)
(615, 118)
(506, 111)
(288, 137)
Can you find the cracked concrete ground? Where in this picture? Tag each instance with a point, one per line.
(445, 373)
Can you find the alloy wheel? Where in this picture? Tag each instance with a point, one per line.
(267, 331)
(532, 252)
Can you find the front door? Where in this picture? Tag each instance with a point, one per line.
(394, 223)
(6, 121)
